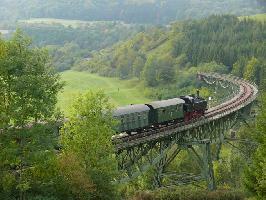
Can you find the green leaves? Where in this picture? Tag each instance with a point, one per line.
(255, 174)
(28, 94)
(162, 57)
(87, 136)
(28, 85)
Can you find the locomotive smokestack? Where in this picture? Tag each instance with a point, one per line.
(198, 93)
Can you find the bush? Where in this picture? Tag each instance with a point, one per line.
(189, 193)
(143, 196)
(42, 198)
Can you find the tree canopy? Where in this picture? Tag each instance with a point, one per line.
(33, 164)
(28, 83)
(166, 56)
(255, 174)
(28, 93)
(71, 45)
(87, 137)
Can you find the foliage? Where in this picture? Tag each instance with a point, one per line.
(207, 40)
(259, 17)
(191, 43)
(189, 193)
(31, 167)
(28, 84)
(74, 175)
(29, 90)
(69, 45)
(189, 46)
(229, 168)
(255, 175)
(87, 136)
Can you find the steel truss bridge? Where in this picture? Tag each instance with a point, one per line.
(202, 138)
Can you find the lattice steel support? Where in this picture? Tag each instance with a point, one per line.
(158, 154)
(202, 155)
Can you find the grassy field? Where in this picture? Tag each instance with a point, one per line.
(120, 92)
(258, 17)
(73, 23)
(64, 22)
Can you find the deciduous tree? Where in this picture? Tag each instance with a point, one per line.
(255, 175)
(28, 94)
(88, 136)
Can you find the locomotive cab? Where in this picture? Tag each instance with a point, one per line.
(194, 107)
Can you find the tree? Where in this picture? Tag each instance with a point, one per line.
(150, 71)
(138, 66)
(252, 71)
(28, 84)
(123, 67)
(166, 70)
(28, 93)
(87, 135)
(255, 175)
(239, 66)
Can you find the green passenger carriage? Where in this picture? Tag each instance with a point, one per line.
(132, 117)
(166, 110)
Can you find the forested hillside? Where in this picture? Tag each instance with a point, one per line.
(71, 44)
(162, 57)
(132, 11)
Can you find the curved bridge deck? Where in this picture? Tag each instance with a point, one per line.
(246, 95)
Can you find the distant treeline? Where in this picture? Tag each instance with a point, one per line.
(131, 11)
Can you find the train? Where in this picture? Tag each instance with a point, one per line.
(138, 117)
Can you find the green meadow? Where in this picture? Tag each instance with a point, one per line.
(121, 92)
(258, 17)
(64, 22)
(50, 21)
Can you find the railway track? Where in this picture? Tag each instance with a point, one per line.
(246, 95)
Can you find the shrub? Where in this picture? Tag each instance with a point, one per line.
(189, 193)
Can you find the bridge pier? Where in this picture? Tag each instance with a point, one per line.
(202, 155)
(208, 166)
(205, 163)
